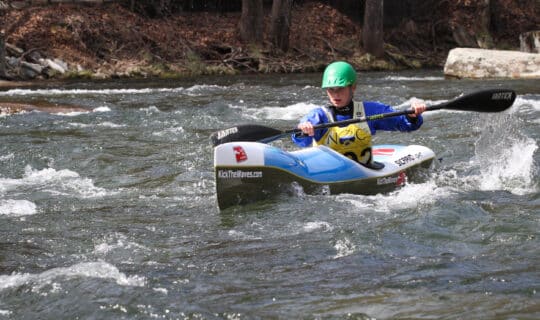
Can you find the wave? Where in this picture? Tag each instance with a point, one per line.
(291, 112)
(7, 157)
(105, 124)
(196, 89)
(409, 196)
(17, 208)
(58, 182)
(117, 242)
(403, 78)
(99, 269)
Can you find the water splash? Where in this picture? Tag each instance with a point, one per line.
(505, 156)
(512, 169)
(409, 196)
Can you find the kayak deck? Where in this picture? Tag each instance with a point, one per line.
(247, 172)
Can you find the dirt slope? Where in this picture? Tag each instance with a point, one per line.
(109, 40)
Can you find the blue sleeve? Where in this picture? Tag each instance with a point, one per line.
(315, 116)
(400, 123)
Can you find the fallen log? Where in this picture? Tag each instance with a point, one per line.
(8, 108)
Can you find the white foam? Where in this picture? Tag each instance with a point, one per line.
(402, 78)
(291, 112)
(102, 109)
(511, 170)
(99, 269)
(344, 247)
(317, 226)
(106, 124)
(409, 196)
(169, 131)
(110, 245)
(524, 102)
(239, 235)
(504, 155)
(64, 182)
(7, 157)
(198, 88)
(161, 290)
(55, 92)
(17, 208)
(72, 113)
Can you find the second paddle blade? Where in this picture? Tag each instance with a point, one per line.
(244, 132)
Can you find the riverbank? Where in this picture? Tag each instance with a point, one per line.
(108, 41)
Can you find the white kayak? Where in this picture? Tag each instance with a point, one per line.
(251, 171)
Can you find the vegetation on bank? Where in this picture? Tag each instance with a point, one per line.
(125, 39)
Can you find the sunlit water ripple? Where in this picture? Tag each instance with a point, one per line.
(111, 213)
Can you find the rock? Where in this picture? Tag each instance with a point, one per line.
(12, 61)
(61, 63)
(30, 70)
(56, 65)
(530, 41)
(13, 50)
(483, 63)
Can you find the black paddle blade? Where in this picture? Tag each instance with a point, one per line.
(493, 100)
(244, 132)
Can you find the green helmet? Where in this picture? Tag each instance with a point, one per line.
(338, 74)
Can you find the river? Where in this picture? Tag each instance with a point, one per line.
(111, 213)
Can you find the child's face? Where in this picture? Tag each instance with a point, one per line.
(340, 96)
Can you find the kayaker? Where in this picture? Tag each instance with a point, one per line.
(354, 140)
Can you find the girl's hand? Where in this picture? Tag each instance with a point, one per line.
(419, 107)
(307, 128)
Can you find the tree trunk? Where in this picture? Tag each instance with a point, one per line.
(372, 32)
(483, 37)
(281, 24)
(251, 21)
(2, 56)
(530, 41)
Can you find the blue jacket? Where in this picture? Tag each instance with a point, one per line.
(400, 123)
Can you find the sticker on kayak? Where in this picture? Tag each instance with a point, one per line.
(398, 180)
(239, 174)
(383, 152)
(240, 154)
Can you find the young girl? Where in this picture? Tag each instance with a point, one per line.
(354, 140)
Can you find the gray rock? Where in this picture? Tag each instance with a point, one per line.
(483, 63)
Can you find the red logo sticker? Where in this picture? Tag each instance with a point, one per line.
(402, 178)
(383, 152)
(240, 154)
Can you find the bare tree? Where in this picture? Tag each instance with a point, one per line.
(281, 23)
(251, 21)
(2, 55)
(372, 32)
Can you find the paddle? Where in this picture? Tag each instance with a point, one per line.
(492, 100)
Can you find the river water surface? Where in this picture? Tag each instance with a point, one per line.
(111, 213)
